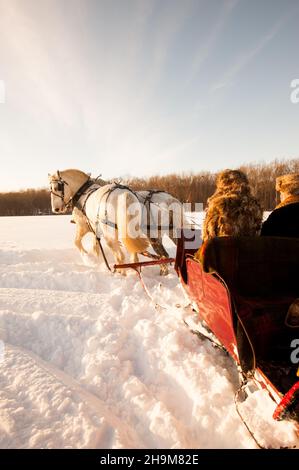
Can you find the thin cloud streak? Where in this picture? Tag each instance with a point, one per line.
(167, 31)
(248, 57)
(210, 42)
(30, 56)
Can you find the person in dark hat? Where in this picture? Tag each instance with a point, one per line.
(284, 220)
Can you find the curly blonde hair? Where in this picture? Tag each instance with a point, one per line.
(232, 210)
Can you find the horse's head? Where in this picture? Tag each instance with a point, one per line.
(63, 187)
(58, 188)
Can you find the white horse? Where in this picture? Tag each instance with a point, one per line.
(154, 202)
(110, 210)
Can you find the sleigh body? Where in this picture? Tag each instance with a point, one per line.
(242, 289)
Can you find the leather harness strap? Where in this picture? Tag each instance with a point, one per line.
(147, 201)
(81, 197)
(115, 186)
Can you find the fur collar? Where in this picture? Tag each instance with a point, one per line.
(293, 199)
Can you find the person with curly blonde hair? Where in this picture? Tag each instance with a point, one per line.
(232, 210)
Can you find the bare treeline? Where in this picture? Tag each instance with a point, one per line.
(27, 202)
(190, 188)
(198, 187)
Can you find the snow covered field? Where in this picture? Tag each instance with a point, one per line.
(89, 362)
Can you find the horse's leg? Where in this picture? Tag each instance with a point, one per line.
(95, 246)
(80, 232)
(118, 254)
(160, 250)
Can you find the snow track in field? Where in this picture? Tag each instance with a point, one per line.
(89, 361)
(60, 403)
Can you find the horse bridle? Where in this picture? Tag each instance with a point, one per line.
(60, 187)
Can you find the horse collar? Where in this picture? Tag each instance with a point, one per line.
(80, 197)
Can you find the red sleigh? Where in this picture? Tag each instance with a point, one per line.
(242, 289)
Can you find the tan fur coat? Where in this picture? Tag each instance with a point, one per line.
(232, 210)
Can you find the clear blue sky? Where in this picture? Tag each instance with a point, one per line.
(140, 87)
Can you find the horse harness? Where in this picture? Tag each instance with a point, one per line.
(80, 199)
(109, 191)
(147, 202)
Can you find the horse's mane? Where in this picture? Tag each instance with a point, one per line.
(82, 174)
(74, 170)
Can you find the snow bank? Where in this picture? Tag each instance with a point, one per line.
(89, 361)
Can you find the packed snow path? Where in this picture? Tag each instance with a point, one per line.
(89, 362)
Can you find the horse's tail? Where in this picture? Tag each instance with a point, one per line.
(129, 219)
